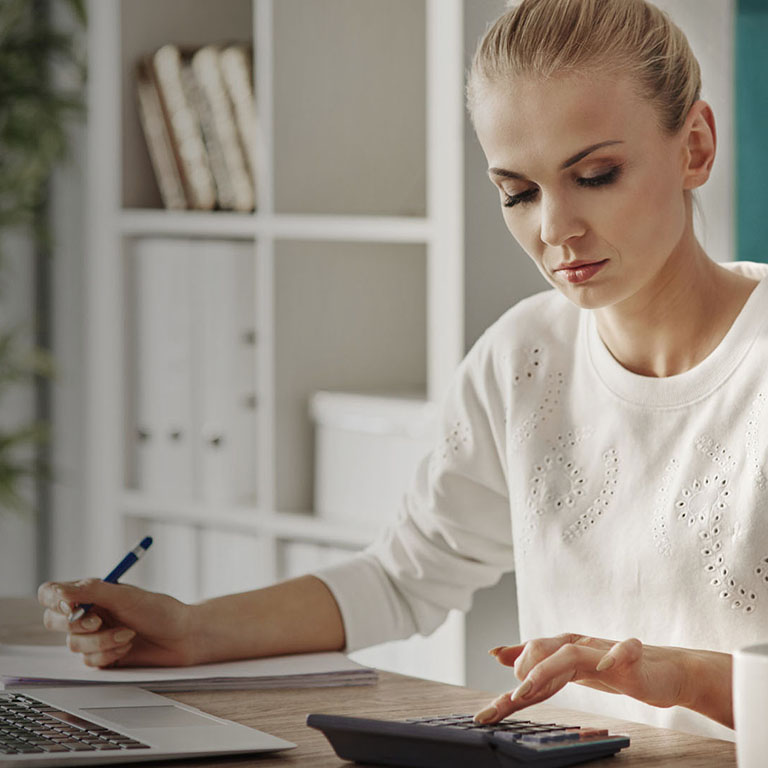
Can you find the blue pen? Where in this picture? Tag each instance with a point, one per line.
(132, 557)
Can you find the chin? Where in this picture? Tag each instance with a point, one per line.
(587, 297)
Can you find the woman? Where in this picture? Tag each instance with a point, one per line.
(608, 427)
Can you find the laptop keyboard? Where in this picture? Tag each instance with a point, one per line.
(29, 725)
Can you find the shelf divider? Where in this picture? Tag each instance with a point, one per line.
(385, 229)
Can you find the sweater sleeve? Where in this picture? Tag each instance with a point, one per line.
(453, 532)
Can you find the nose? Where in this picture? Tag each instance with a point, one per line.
(559, 221)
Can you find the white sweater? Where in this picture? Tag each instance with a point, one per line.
(638, 506)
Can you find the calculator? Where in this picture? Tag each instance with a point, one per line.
(456, 741)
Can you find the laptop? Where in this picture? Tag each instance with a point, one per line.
(114, 724)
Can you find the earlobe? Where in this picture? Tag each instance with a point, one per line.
(700, 145)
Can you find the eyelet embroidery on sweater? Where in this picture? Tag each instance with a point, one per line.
(528, 368)
(543, 411)
(659, 526)
(753, 450)
(761, 570)
(521, 367)
(717, 453)
(558, 484)
(458, 438)
(704, 503)
(600, 505)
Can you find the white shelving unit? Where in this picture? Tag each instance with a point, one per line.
(378, 251)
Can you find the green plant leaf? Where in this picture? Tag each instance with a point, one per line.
(34, 121)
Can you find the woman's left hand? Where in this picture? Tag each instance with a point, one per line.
(657, 675)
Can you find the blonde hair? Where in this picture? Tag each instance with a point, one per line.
(549, 37)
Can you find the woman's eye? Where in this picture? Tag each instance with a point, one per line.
(510, 201)
(598, 181)
(529, 195)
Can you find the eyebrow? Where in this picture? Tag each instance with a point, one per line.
(567, 164)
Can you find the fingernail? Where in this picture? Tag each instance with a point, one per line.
(497, 650)
(522, 690)
(487, 714)
(91, 622)
(65, 608)
(123, 636)
(605, 663)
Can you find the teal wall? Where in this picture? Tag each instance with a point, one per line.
(752, 130)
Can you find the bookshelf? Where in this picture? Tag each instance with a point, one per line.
(378, 257)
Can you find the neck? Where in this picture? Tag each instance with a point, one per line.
(679, 318)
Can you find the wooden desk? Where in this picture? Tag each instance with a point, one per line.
(282, 712)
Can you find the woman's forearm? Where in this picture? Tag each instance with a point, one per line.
(295, 616)
(709, 685)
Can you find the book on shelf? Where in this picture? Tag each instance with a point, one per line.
(198, 114)
(217, 117)
(236, 69)
(161, 153)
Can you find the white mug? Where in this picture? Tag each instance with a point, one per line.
(750, 705)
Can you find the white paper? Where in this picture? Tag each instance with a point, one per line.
(25, 668)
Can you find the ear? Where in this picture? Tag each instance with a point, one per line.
(699, 145)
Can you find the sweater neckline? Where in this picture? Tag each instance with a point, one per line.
(692, 385)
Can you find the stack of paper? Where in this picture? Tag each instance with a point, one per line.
(29, 666)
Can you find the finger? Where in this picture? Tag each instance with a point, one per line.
(52, 596)
(494, 711)
(49, 595)
(114, 598)
(568, 663)
(539, 649)
(624, 653)
(89, 623)
(106, 658)
(56, 621)
(99, 642)
(507, 654)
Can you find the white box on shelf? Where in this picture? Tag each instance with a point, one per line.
(367, 449)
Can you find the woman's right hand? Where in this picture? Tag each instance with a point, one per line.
(126, 626)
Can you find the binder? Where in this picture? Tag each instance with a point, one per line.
(162, 369)
(225, 368)
(194, 370)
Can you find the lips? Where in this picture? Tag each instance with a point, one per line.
(580, 271)
(577, 264)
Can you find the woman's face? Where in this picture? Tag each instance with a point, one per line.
(589, 185)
